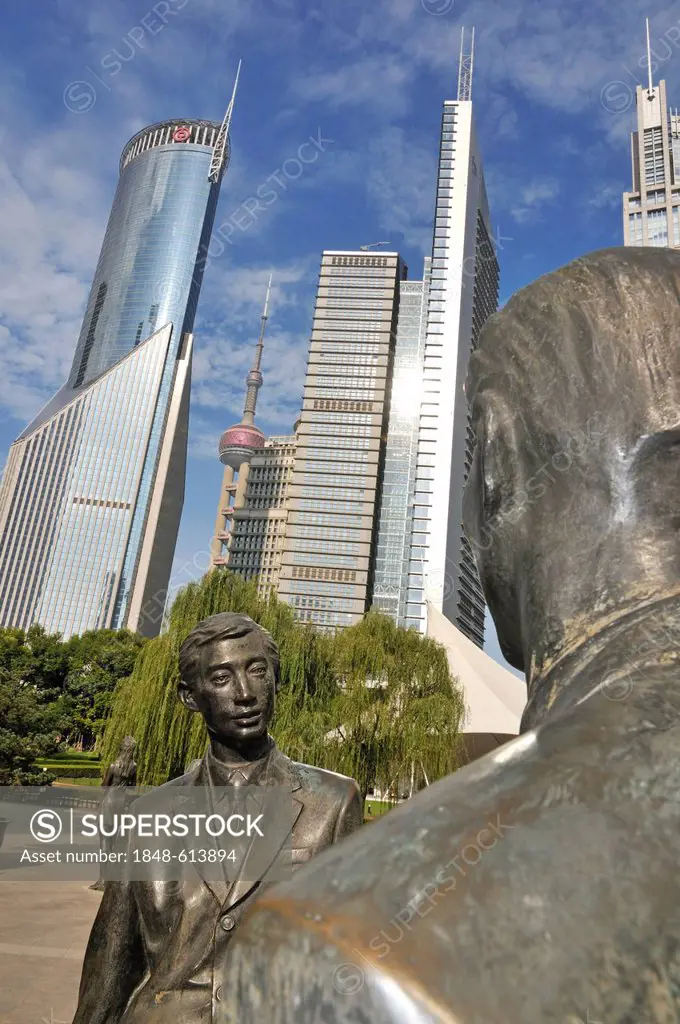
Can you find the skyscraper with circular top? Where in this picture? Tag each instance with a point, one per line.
(92, 494)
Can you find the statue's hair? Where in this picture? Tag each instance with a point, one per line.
(126, 753)
(224, 626)
(597, 340)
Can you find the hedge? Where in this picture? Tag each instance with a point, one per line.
(64, 770)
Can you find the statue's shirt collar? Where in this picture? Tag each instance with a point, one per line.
(243, 773)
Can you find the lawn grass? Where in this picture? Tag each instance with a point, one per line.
(72, 756)
(375, 808)
(77, 782)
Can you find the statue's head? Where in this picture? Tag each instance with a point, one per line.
(127, 748)
(229, 669)
(126, 754)
(572, 503)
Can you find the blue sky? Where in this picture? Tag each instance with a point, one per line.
(554, 97)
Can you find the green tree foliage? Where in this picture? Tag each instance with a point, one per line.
(54, 693)
(35, 658)
(30, 728)
(404, 723)
(32, 667)
(96, 661)
(397, 710)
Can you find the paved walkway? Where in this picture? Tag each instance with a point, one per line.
(43, 932)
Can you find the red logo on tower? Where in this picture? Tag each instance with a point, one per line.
(182, 134)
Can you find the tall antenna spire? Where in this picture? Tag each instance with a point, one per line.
(263, 324)
(649, 59)
(254, 378)
(220, 150)
(466, 66)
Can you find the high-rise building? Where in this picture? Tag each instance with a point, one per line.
(92, 493)
(237, 447)
(422, 554)
(398, 585)
(651, 210)
(258, 527)
(462, 294)
(327, 564)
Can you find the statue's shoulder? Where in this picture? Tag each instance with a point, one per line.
(320, 780)
(160, 794)
(188, 779)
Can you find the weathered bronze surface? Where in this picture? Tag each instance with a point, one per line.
(119, 777)
(154, 944)
(123, 771)
(539, 884)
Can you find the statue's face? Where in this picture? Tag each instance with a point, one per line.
(234, 690)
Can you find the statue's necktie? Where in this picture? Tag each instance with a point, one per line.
(237, 778)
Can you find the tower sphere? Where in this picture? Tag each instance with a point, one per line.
(239, 443)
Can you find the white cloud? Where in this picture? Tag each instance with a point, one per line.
(513, 196)
(533, 197)
(379, 81)
(53, 217)
(606, 197)
(400, 181)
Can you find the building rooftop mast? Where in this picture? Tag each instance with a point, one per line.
(219, 152)
(466, 66)
(649, 60)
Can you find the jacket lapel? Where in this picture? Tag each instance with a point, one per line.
(218, 887)
(281, 772)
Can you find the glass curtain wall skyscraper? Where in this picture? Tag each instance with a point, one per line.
(92, 494)
(463, 293)
(398, 591)
(328, 556)
(651, 210)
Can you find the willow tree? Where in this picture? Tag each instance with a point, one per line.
(398, 711)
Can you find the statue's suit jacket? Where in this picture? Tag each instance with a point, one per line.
(154, 944)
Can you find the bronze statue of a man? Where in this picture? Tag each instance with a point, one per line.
(541, 883)
(153, 948)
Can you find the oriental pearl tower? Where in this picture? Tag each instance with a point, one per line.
(237, 446)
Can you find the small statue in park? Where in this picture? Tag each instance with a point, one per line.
(120, 776)
(540, 884)
(122, 772)
(153, 947)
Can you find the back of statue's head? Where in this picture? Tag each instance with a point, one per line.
(574, 391)
(599, 336)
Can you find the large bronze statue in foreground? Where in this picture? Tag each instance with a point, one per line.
(154, 943)
(540, 884)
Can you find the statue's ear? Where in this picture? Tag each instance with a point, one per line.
(186, 695)
(498, 457)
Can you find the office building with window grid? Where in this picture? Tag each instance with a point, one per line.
(258, 527)
(651, 210)
(462, 294)
(327, 564)
(92, 494)
(398, 586)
